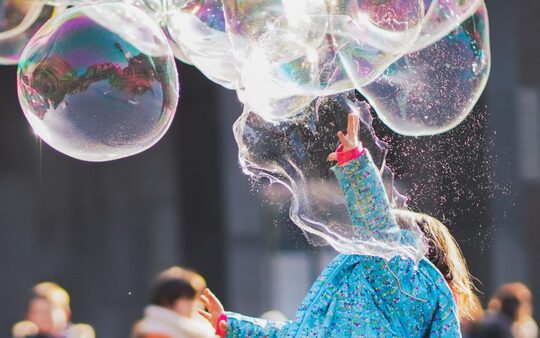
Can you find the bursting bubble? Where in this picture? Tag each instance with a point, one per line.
(293, 153)
(19, 21)
(431, 91)
(99, 82)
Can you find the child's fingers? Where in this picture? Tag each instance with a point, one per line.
(213, 299)
(356, 125)
(206, 302)
(350, 124)
(206, 316)
(342, 138)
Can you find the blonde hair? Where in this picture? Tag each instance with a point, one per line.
(444, 252)
(54, 293)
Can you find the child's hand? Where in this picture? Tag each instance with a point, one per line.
(349, 141)
(215, 310)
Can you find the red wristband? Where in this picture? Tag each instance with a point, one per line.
(219, 331)
(346, 156)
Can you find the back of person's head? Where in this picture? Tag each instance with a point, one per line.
(169, 287)
(514, 300)
(54, 293)
(444, 252)
(195, 279)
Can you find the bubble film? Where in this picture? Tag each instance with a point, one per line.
(99, 82)
(433, 90)
(370, 35)
(295, 20)
(196, 29)
(293, 153)
(442, 17)
(19, 21)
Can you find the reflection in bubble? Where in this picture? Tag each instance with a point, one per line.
(94, 94)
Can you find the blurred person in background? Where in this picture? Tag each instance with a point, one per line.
(471, 325)
(49, 314)
(509, 313)
(173, 312)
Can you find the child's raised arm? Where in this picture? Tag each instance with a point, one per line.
(361, 183)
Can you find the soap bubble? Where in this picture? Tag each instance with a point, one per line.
(371, 35)
(249, 21)
(99, 82)
(293, 153)
(293, 52)
(433, 90)
(277, 77)
(196, 29)
(442, 17)
(19, 21)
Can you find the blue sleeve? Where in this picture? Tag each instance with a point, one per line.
(242, 326)
(366, 199)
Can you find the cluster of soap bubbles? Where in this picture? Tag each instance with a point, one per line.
(422, 64)
(97, 80)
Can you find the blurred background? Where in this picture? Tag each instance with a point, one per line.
(103, 230)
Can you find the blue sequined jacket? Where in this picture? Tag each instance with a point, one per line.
(366, 296)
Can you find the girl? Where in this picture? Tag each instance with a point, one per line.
(358, 295)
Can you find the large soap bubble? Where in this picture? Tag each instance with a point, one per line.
(293, 153)
(196, 29)
(19, 21)
(99, 82)
(370, 35)
(431, 91)
(278, 76)
(294, 51)
(249, 21)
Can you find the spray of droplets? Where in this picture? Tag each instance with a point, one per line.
(295, 65)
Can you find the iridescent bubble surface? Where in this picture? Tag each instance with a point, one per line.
(196, 29)
(294, 51)
(249, 21)
(19, 21)
(99, 89)
(442, 17)
(293, 153)
(433, 90)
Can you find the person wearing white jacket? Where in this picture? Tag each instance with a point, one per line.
(171, 313)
